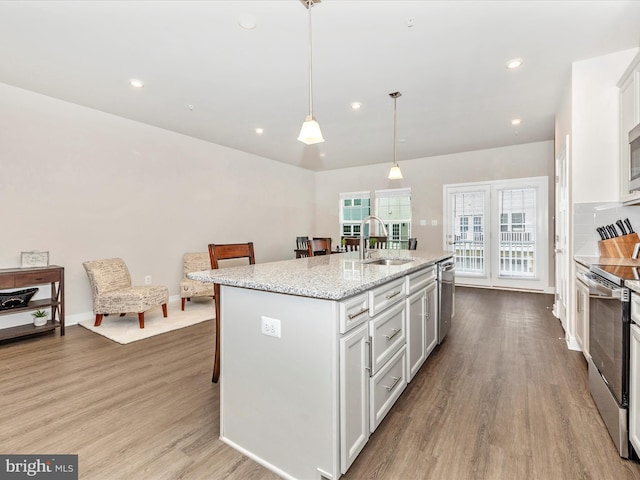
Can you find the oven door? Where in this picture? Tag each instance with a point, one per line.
(609, 334)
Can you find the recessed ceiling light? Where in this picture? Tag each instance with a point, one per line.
(515, 121)
(259, 131)
(136, 83)
(515, 63)
(356, 106)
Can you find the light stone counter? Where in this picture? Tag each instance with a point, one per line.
(331, 277)
(587, 261)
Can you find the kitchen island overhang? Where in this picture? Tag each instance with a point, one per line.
(280, 396)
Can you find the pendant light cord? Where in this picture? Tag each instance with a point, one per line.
(395, 132)
(309, 5)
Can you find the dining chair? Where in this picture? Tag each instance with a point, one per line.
(302, 244)
(351, 244)
(319, 246)
(219, 252)
(413, 243)
(328, 239)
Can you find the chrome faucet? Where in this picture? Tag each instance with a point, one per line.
(363, 244)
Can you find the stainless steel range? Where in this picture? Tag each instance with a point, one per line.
(609, 330)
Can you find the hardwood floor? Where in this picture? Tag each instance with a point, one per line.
(501, 398)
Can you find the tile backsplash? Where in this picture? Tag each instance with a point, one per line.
(588, 216)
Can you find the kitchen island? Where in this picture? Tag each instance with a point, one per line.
(314, 353)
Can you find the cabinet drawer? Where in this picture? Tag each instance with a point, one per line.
(388, 335)
(386, 295)
(7, 281)
(420, 279)
(353, 312)
(386, 387)
(36, 278)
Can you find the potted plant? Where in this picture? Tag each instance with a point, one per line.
(40, 317)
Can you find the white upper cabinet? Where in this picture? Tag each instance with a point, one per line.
(629, 86)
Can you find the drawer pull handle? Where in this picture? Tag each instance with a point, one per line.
(395, 332)
(395, 382)
(391, 295)
(354, 315)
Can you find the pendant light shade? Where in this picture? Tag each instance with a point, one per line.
(395, 173)
(310, 132)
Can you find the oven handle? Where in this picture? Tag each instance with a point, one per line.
(603, 290)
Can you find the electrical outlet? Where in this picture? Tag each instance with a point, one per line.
(147, 280)
(270, 327)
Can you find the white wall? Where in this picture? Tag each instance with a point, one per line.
(426, 177)
(86, 185)
(595, 134)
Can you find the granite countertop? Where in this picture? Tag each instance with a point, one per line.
(331, 277)
(587, 261)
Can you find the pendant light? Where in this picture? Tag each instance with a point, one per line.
(395, 173)
(310, 132)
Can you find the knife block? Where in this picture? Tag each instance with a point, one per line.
(618, 247)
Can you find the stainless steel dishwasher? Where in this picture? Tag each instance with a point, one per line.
(446, 296)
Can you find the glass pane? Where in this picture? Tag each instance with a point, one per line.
(517, 233)
(469, 245)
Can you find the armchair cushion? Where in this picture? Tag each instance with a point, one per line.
(195, 262)
(112, 290)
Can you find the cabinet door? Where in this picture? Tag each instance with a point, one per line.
(354, 394)
(634, 388)
(416, 331)
(629, 118)
(431, 319)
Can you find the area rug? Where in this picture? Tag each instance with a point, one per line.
(127, 329)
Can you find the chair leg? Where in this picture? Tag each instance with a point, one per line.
(164, 310)
(216, 359)
(141, 319)
(98, 320)
(183, 299)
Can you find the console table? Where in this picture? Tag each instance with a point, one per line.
(29, 277)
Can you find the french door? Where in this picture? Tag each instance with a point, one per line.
(498, 231)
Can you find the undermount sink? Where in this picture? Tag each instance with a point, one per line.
(389, 261)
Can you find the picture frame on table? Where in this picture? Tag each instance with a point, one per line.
(34, 258)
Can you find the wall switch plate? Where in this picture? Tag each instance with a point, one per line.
(271, 327)
(147, 280)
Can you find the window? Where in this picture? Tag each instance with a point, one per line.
(354, 207)
(392, 206)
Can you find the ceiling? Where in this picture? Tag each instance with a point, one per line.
(208, 77)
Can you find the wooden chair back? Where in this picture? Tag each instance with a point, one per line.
(328, 239)
(219, 252)
(302, 247)
(351, 244)
(319, 246)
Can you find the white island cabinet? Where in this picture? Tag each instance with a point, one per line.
(304, 402)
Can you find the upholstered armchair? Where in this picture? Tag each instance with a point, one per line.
(113, 293)
(195, 262)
